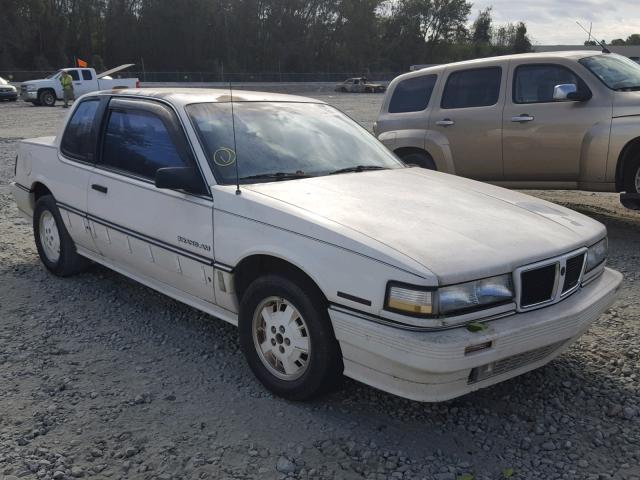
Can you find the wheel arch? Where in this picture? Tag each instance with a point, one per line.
(628, 152)
(256, 265)
(38, 189)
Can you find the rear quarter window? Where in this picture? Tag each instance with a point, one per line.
(412, 94)
(78, 140)
(478, 87)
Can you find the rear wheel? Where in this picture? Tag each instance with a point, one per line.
(47, 98)
(419, 159)
(632, 175)
(55, 247)
(287, 338)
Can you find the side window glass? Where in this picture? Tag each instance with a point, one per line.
(479, 87)
(86, 74)
(412, 94)
(74, 75)
(139, 143)
(535, 83)
(78, 138)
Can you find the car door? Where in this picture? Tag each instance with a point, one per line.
(86, 84)
(159, 235)
(543, 138)
(469, 119)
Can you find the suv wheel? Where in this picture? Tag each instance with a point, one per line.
(55, 247)
(47, 98)
(419, 159)
(287, 338)
(632, 175)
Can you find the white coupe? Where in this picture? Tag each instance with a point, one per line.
(282, 216)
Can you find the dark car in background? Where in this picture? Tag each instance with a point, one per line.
(7, 91)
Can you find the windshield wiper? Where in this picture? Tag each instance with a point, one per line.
(358, 168)
(276, 176)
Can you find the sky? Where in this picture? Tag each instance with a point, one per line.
(553, 22)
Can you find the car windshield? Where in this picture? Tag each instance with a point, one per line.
(281, 140)
(54, 74)
(615, 71)
(3, 81)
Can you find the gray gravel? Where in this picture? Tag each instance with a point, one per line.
(103, 378)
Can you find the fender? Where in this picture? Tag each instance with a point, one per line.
(434, 143)
(625, 131)
(593, 157)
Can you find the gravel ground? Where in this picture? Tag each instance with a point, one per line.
(103, 378)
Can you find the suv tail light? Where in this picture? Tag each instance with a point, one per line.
(137, 83)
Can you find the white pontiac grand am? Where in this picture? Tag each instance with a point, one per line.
(330, 255)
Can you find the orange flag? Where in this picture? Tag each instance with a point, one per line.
(82, 63)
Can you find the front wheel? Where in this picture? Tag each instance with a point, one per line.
(632, 175)
(287, 338)
(55, 247)
(47, 98)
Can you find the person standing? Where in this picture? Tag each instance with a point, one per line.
(67, 88)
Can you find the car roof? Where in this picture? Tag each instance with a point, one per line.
(185, 96)
(542, 56)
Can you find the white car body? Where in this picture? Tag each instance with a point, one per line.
(85, 80)
(351, 234)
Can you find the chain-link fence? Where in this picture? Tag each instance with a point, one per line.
(192, 77)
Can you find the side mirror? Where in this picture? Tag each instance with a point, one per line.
(568, 92)
(180, 178)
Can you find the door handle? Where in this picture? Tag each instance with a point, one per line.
(447, 122)
(99, 188)
(522, 118)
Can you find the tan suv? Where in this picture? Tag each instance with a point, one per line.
(565, 120)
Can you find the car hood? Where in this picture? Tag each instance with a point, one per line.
(626, 104)
(457, 228)
(37, 82)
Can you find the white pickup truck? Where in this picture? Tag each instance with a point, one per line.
(286, 218)
(47, 90)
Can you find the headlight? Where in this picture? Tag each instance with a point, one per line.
(478, 293)
(31, 88)
(597, 254)
(426, 302)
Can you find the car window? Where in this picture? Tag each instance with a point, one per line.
(86, 74)
(479, 87)
(356, 82)
(283, 137)
(535, 83)
(74, 75)
(139, 143)
(412, 94)
(78, 140)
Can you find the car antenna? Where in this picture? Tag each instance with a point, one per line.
(601, 44)
(235, 145)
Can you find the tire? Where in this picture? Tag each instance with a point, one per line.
(420, 159)
(47, 98)
(631, 175)
(343, 90)
(51, 236)
(311, 369)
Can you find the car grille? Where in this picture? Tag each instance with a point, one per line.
(512, 363)
(538, 285)
(549, 281)
(573, 272)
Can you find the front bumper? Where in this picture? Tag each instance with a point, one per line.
(9, 95)
(432, 366)
(28, 96)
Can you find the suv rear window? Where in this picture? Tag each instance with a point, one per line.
(412, 94)
(78, 138)
(479, 87)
